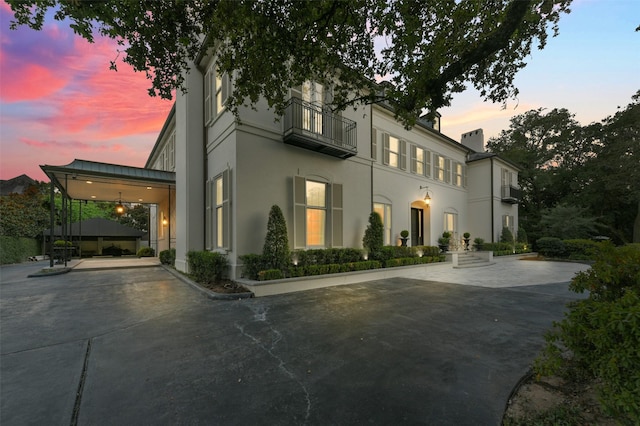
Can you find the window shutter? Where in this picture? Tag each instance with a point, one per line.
(403, 155)
(209, 224)
(427, 165)
(226, 88)
(226, 209)
(436, 166)
(464, 176)
(374, 144)
(299, 212)
(385, 148)
(336, 215)
(447, 170)
(413, 160)
(208, 97)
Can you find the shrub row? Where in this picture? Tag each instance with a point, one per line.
(207, 267)
(505, 249)
(329, 261)
(17, 249)
(406, 261)
(333, 268)
(580, 249)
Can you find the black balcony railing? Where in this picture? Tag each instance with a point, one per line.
(311, 127)
(511, 194)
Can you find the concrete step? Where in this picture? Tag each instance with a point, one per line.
(468, 260)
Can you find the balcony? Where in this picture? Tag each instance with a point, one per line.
(511, 194)
(311, 127)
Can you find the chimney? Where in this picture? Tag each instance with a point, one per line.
(473, 140)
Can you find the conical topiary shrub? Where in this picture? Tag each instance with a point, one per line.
(374, 235)
(276, 244)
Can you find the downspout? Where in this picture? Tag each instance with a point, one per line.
(492, 203)
(371, 154)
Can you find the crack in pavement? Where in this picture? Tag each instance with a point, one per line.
(260, 315)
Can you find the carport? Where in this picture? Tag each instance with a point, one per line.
(93, 181)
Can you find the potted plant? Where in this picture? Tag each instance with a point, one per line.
(466, 236)
(443, 242)
(404, 236)
(478, 243)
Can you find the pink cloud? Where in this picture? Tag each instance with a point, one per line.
(27, 82)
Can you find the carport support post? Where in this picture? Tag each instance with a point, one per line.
(51, 220)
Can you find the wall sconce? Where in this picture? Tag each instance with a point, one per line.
(119, 206)
(165, 222)
(427, 197)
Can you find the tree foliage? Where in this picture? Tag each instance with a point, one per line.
(602, 332)
(426, 50)
(591, 169)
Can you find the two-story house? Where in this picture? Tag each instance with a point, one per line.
(327, 171)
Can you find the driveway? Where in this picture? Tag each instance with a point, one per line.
(138, 346)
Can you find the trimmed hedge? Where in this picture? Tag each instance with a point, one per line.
(333, 268)
(551, 247)
(168, 257)
(582, 249)
(207, 267)
(506, 249)
(17, 249)
(336, 260)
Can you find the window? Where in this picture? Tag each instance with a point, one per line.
(395, 151)
(508, 178)
(460, 175)
(451, 223)
(419, 162)
(384, 210)
(508, 222)
(312, 93)
(216, 92)
(218, 234)
(317, 213)
(171, 152)
(441, 168)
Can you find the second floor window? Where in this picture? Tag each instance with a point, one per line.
(216, 93)
(394, 151)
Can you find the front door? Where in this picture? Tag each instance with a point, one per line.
(417, 227)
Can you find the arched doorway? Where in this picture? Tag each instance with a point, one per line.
(420, 224)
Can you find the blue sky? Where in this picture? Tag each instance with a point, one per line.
(59, 100)
(590, 68)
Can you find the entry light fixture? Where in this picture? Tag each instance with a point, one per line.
(427, 197)
(119, 206)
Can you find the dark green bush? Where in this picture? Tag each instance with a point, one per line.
(551, 247)
(522, 236)
(602, 332)
(168, 257)
(478, 243)
(207, 267)
(581, 249)
(17, 249)
(253, 264)
(270, 274)
(506, 236)
(146, 252)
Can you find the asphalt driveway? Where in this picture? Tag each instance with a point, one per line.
(138, 346)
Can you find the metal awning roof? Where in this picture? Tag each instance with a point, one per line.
(90, 180)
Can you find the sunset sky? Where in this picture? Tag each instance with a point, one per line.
(59, 101)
